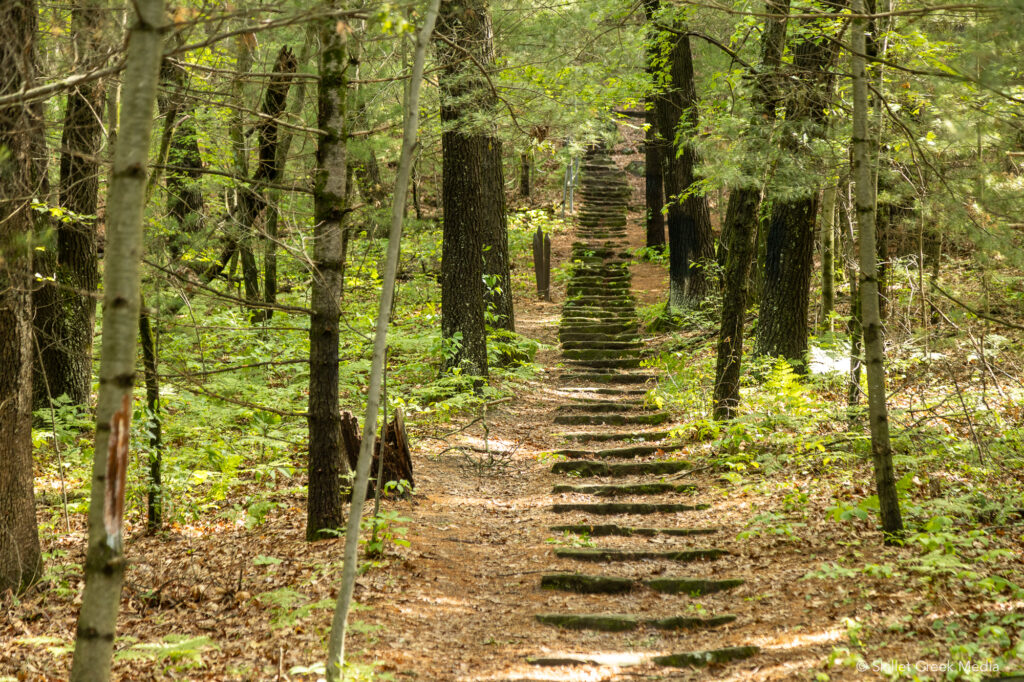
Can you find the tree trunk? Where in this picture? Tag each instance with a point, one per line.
(324, 509)
(739, 228)
(65, 310)
(789, 242)
(336, 639)
(473, 196)
(524, 175)
(271, 165)
(654, 197)
(104, 561)
(741, 220)
(885, 479)
(21, 127)
(154, 422)
(828, 260)
(690, 240)
(184, 178)
(284, 145)
(853, 327)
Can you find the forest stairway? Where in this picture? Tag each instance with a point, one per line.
(624, 503)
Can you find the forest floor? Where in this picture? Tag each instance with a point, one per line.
(215, 601)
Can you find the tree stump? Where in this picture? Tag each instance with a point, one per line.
(396, 452)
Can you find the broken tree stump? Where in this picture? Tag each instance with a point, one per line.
(396, 452)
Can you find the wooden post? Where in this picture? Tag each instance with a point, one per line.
(542, 264)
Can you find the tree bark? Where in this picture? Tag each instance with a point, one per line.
(324, 508)
(476, 193)
(525, 168)
(21, 126)
(741, 221)
(654, 196)
(184, 181)
(154, 421)
(789, 242)
(828, 248)
(885, 479)
(690, 240)
(65, 309)
(473, 196)
(104, 561)
(336, 640)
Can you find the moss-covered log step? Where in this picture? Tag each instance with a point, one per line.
(598, 406)
(626, 489)
(586, 584)
(589, 468)
(620, 363)
(575, 336)
(599, 555)
(700, 659)
(618, 453)
(613, 622)
(623, 435)
(600, 353)
(637, 508)
(601, 530)
(614, 280)
(600, 584)
(602, 345)
(651, 419)
(609, 378)
(599, 328)
(586, 319)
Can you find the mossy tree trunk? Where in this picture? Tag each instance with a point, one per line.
(690, 240)
(789, 241)
(741, 219)
(21, 126)
(324, 513)
(65, 308)
(473, 195)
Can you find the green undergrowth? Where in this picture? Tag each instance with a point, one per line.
(953, 590)
(233, 393)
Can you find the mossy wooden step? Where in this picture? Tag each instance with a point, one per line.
(614, 622)
(599, 407)
(700, 659)
(587, 437)
(588, 468)
(692, 586)
(601, 328)
(619, 453)
(651, 419)
(622, 508)
(601, 345)
(572, 336)
(611, 530)
(600, 584)
(586, 584)
(617, 363)
(599, 555)
(623, 490)
(609, 378)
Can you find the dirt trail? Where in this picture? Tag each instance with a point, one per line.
(469, 603)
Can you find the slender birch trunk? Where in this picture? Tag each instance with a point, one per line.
(336, 643)
(885, 480)
(104, 561)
